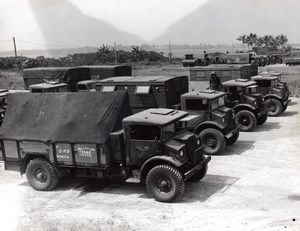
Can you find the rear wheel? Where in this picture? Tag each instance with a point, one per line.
(274, 107)
(165, 183)
(199, 175)
(246, 120)
(233, 138)
(41, 175)
(213, 140)
(261, 120)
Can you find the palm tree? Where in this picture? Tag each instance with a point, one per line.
(242, 38)
(104, 49)
(252, 39)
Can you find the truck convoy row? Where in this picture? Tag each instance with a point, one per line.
(150, 128)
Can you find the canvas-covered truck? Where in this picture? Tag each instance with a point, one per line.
(72, 75)
(249, 107)
(276, 96)
(215, 122)
(93, 134)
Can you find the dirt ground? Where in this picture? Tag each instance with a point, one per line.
(253, 185)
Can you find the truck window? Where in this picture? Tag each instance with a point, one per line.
(144, 132)
(82, 87)
(196, 104)
(108, 88)
(219, 102)
(142, 90)
(168, 131)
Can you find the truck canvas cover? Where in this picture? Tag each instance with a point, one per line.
(102, 72)
(87, 117)
(69, 75)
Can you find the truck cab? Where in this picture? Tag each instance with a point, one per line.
(216, 124)
(276, 96)
(86, 85)
(248, 106)
(49, 87)
(144, 146)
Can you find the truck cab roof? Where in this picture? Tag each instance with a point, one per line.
(129, 80)
(238, 83)
(155, 116)
(203, 94)
(47, 85)
(264, 77)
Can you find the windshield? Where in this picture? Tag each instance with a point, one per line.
(215, 103)
(168, 131)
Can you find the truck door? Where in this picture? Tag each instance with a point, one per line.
(264, 86)
(142, 141)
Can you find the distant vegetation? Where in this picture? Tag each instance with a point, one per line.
(265, 43)
(104, 55)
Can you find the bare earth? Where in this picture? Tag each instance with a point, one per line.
(254, 185)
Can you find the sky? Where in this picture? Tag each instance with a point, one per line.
(145, 18)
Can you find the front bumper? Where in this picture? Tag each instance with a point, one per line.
(286, 102)
(198, 167)
(234, 131)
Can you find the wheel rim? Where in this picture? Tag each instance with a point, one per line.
(244, 121)
(40, 175)
(164, 185)
(211, 142)
(272, 107)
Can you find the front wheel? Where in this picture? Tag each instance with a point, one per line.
(274, 107)
(213, 140)
(233, 138)
(199, 175)
(165, 183)
(41, 175)
(261, 120)
(246, 120)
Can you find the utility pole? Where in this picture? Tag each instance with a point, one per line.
(170, 53)
(15, 47)
(116, 60)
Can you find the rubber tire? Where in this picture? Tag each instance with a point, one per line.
(261, 120)
(251, 118)
(284, 108)
(277, 104)
(48, 168)
(219, 137)
(233, 138)
(199, 175)
(173, 175)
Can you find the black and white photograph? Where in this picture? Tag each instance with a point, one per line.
(171, 115)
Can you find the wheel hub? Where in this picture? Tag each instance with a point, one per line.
(40, 175)
(211, 142)
(164, 185)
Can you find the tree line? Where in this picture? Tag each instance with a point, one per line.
(104, 55)
(267, 41)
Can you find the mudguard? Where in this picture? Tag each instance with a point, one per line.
(208, 124)
(244, 106)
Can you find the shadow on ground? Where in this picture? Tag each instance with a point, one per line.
(288, 113)
(199, 191)
(206, 188)
(238, 148)
(268, 126)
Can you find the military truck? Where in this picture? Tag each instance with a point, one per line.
(87, 85)
(276, 96)
(278, 75)
(92, 134)
(248, 106)
(49, 87)
(72, 75)
(215, 123)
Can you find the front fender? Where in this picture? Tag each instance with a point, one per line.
(243, 106)
(156, 160)
(208, 124)
(272, 96)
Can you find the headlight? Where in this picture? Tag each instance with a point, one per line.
(255, 103)
(181, 153)
(223, 120)
(198, 142)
